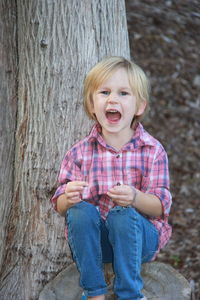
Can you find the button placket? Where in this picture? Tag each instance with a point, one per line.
(118, 169)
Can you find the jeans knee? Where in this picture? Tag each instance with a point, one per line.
(82, 214)
(120, 218)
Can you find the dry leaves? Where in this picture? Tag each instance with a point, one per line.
(164, 40)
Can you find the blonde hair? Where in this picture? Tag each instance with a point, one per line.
(138, 81)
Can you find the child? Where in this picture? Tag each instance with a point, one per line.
(114, 184)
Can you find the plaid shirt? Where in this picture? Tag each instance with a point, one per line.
(141, 163)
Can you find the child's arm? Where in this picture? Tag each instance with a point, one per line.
(125, 195)
(71, 196)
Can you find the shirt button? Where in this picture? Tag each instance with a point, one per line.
(118, 156)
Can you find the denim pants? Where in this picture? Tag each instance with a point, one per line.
(126, 239)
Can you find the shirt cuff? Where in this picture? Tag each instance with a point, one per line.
(60, 190)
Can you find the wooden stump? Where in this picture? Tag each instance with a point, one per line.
(161, 282)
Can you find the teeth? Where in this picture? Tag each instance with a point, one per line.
(112, 110)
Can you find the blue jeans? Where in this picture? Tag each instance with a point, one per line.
(126, 239)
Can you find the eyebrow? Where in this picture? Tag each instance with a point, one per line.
(125, 88)
(121, 88)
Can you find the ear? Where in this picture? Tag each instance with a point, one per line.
(141, 108)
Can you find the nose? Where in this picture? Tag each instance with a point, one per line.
(112, 98)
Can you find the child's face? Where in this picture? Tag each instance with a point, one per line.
(114, 105)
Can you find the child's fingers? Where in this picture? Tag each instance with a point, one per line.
(120, 189)
(75, 186)
(73, 195)
(80, 183)
(121, 200)
(117, 191)
(122, 195)
(117, 196)
(75, 200)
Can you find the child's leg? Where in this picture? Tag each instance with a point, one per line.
(102, 297)
(84, 236)
(131, 235)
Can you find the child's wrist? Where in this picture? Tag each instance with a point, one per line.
(134, 196)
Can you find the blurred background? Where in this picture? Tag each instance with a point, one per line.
(165, 42)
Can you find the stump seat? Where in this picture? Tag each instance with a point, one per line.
(161, 282)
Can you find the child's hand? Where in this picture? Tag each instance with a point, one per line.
(73, 191)
(122, 195)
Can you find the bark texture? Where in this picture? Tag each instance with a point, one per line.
(8, 108)
(58, 42)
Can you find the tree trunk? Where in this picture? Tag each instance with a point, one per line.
(8, 108)
(58, 42)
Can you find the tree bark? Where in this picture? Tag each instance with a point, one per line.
(8, 109)
(58, 42)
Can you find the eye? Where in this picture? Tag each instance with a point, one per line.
(106, 93)
(123, 93)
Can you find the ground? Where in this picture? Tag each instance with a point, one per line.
(164, 41)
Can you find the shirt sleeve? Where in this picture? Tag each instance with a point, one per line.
(69, 171)
(159, 181)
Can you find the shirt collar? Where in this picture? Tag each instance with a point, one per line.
(140, 138)
(95, 134)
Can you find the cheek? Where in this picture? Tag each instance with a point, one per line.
(97, 104)
(131, 107)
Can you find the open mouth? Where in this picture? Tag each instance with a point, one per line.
(113, 115)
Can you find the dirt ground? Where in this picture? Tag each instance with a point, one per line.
(165, 41)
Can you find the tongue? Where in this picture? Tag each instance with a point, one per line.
(113, 116)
